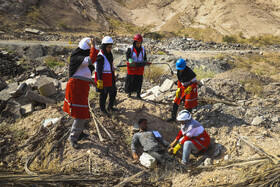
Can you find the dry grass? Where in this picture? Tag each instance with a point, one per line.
(53, 62)
(202, 73)
(153, 73)
(207, 34)
(255, 41)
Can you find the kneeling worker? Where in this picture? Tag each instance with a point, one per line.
(149, 140)
(192, 137)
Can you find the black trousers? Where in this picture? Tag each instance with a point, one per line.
(133, 83)
(103, 97)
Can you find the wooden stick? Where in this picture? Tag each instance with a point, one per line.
(241, 164)
(275, 161)
(97, 128)
(130, 178)
(107, 132)
(96, 124)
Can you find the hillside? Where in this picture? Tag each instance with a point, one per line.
(252, 18)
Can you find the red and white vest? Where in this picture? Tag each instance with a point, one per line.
(139, 59)
(106, 73)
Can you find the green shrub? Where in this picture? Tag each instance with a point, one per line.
(53, 62)
(202, 73)
(153, 35)
(34, 14)
(153, 73)
(62, 26)
(161, 53)
(229, 39)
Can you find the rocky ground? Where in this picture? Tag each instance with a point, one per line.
(228, 109)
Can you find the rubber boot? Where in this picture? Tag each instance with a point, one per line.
(174, 113)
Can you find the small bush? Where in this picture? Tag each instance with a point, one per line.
(201, 73)
(62, 26)
(53, 62)
(153, 73)
(229, 39)
(34, 14)
(161, 53)
(153, 35)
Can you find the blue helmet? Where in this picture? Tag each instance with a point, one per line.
(180, 64)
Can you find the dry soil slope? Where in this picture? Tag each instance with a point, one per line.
(226, 16)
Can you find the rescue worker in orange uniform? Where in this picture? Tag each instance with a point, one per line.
(187, 88)
(192, 137)
(77, 88)
(105, 76)
(136, 60)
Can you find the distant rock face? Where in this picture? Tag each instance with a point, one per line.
(17, 6)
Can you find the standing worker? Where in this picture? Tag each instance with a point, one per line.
(136, 60)
(192, 137)
(105, 76)
(187, 88)
(77, 88)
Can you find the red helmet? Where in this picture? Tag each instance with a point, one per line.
(138, 38)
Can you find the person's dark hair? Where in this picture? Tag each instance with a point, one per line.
(141, 120)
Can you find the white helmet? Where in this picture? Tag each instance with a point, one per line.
(83, 43)
(107, 40)
(184, 115)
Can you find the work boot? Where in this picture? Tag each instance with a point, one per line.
(139, 97)
(83, 136)
(74, 144)
(174, 113)
(112, 109)
(104, 111)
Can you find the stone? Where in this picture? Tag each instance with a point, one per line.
(5, 94)
(167, 85)
(33, 31)
(257, 120)
(3, 85)
(275, 119)
(208, 162)
(42, 80)
(63, 85)
(3, 105)
(151, 97)
(226, 157)
(2, 141)
(39, 98)
(30, 82)
(27, 109)
(47, 89)
(12, 110)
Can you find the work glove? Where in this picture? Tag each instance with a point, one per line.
(99, 84)
(131, 62)
(178, 93)
(173, 143)
(188, 90)
(176, 148)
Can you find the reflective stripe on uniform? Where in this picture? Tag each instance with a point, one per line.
(71, 104)
(191, 99)
(199, 143)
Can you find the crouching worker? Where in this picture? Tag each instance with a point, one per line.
(77, 88)
(192, 137)
(149, 140)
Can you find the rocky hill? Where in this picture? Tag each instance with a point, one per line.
(239, 102)
(250, 17)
